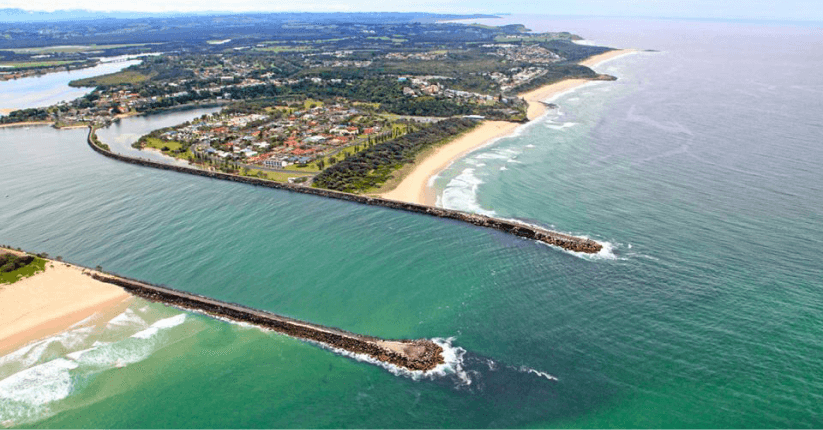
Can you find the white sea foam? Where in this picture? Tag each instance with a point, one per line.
(161, 324)
(605, 253)
(146, 334)
(170, 322)
(559, 126)
(127, 318)
(25, 394)
(503, 168)
(32, 353)
(525, 369)
(461, 193)
(452, 366)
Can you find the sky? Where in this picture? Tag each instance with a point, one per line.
(802, 10)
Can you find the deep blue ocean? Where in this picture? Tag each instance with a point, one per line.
(700, 167)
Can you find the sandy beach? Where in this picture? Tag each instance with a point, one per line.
(26, 124)
(50, 302)
(414, 187)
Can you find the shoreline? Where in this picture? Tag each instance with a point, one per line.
(27, 124)
(516, 228)
(414, 186)
(408, 190)
(65, 295)
(51, 302)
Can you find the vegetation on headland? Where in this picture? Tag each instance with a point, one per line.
(112, 79)
(16, 267)
(373, 166)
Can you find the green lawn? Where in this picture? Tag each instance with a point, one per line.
(273, 176)
(31, 64)
(276, 49)
(122, 77)
(68, 49)
(172, 145)
(310, 102)
(312, 167)
(36, 266)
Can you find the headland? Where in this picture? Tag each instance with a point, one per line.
(415, 186)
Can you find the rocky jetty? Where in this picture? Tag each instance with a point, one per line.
(568, 242)
(419, 354)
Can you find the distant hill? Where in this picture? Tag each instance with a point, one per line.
(25, 16)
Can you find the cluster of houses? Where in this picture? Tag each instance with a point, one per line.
(517, 76)
(424, 56)
(523, 53)
(417, 87)
(277, 140)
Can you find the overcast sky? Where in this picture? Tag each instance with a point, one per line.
(724, 9)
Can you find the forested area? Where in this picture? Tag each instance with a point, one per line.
(373, 166)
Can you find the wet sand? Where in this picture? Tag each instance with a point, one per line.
(50, 302)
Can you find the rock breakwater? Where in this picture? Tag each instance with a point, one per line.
(568, 242)
(419, 354)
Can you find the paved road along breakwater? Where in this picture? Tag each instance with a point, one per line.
(565, 241)
(419, 354)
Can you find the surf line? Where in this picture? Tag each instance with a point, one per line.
(417, 355)
(565, 241)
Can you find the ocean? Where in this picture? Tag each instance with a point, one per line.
(699, 167)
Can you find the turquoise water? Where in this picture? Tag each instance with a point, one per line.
(704, 181)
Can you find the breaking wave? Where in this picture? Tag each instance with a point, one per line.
(36, 377)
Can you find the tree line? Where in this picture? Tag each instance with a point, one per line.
(373, 166)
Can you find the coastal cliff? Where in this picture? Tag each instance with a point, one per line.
(568, 242)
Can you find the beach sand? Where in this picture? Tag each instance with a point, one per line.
(26, 124)
(414, 187)
(52, 301)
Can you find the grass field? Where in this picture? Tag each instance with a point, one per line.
(308, 103)
(122, 77)
(31, 64)
(273, 176)
(68, 49)
(36, 266)
(276, 49)
(153, 142)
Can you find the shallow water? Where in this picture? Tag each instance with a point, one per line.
(706, 312)
(52, 88)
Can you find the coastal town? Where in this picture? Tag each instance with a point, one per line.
(279, 137)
